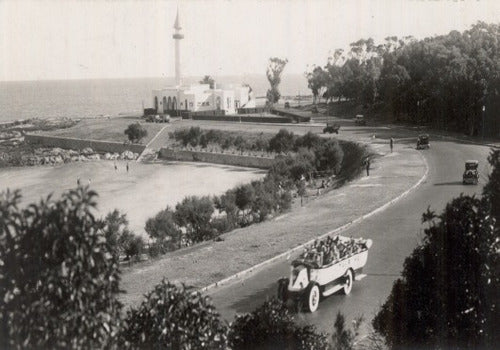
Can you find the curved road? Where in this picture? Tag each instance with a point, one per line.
(395, 231)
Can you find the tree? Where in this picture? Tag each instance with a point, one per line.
(207, 79)
(274, 69)
(194, 214)
(163, 229)
(58, 276)
(448, 295)
(136, 132)
(172, 317)
(317, 81)
(282, 142)
(271, 326)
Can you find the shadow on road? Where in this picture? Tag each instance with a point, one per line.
(453, 183)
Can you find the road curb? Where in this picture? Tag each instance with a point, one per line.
(334, 231)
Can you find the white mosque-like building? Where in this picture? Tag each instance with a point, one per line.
(222, 99)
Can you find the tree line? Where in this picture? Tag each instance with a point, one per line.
(448, 81)
(196, 219)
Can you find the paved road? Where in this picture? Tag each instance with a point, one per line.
(395, 231)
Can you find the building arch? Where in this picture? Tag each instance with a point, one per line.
(169, 103)
(218, 102)
(174, 103)
(156, 103)
(165, 106)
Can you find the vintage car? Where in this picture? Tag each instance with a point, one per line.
(471, 175)
(331, 128)
(359, 120)
(423, 141)
(311, 278)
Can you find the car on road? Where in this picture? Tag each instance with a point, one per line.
(331, 128)
(317, 274)
(423, 142)
(359, 120)
(471, 175)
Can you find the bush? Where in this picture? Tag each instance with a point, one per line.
(58, 276)
(194, 214)
(136, 132)
(329, 156)
(271, 326)
(133, 248)
(164, 231)
(173, 317)
(282, 142)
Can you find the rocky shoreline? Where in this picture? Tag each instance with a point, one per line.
(15, 151)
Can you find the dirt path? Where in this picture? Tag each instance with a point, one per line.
(391, 174)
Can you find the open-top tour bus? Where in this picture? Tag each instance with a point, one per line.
(327, 267)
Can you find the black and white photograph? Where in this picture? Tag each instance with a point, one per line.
(250, 174)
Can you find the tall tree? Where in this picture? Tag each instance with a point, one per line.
(274, 69)
(207, 79)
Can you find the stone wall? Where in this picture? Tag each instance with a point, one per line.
(80, 144)
(216, 158)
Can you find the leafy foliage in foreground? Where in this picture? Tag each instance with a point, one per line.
(172, 317)
(448, 295)
(59, 277)
(271, 326)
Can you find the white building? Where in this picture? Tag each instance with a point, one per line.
(198, 97)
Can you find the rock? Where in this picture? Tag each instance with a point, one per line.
(93, 157)
(127, 155)
(87, 151)
(58, 159)
(107, 156)
(57, 151)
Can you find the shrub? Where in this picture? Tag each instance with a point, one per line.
(194, 214)
(133, 247)
(282, 142)
(58, 276)
(226, 203)
(271, 326)
(308, 141)
(164, 231)
(173, 317)
(329, 156)
(136, 132)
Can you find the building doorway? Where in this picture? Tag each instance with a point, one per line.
(156, 104)
(165, 106)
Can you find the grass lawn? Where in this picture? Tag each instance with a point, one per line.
(105, 129)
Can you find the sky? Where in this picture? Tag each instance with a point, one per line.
(69, 39)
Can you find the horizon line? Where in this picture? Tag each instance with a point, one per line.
(140, 77)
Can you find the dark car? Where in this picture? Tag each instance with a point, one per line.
(359, 120)
(423, 142)
(331, 128)
(471, 175)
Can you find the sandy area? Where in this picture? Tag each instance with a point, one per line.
(141, 192)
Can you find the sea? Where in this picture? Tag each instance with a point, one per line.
(110, 97)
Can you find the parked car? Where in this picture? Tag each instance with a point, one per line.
(423, 142)
(471, 175)
(359, 120)
(315, 275)
(331, 128)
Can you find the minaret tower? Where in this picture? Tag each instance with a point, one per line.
(177, 37)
